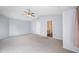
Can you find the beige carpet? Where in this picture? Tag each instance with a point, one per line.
(31, 43)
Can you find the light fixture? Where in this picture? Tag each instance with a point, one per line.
(29, 13)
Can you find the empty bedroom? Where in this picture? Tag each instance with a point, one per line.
(39, 29)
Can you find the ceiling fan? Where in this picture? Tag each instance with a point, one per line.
(29, 13)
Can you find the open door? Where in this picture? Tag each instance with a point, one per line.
(49, 29)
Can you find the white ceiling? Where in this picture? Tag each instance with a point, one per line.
(16, 12)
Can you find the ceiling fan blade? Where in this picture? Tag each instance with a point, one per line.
(25, 12)
(33, 15)
(28, 10)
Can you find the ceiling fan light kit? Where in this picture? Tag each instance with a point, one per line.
(29, 13)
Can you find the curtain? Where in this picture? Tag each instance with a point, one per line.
(77, 28)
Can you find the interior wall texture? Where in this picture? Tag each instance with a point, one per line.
(19, 27)
(69, 30)
(4, 27)
(12, 27)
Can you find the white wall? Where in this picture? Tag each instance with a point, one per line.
(14, 27)
(57, 26)
(38, 27)
(68, 30)
(35, 27)
(19, 27)
(43, 26)
(4, 27)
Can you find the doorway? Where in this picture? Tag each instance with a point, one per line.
(49, 29)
